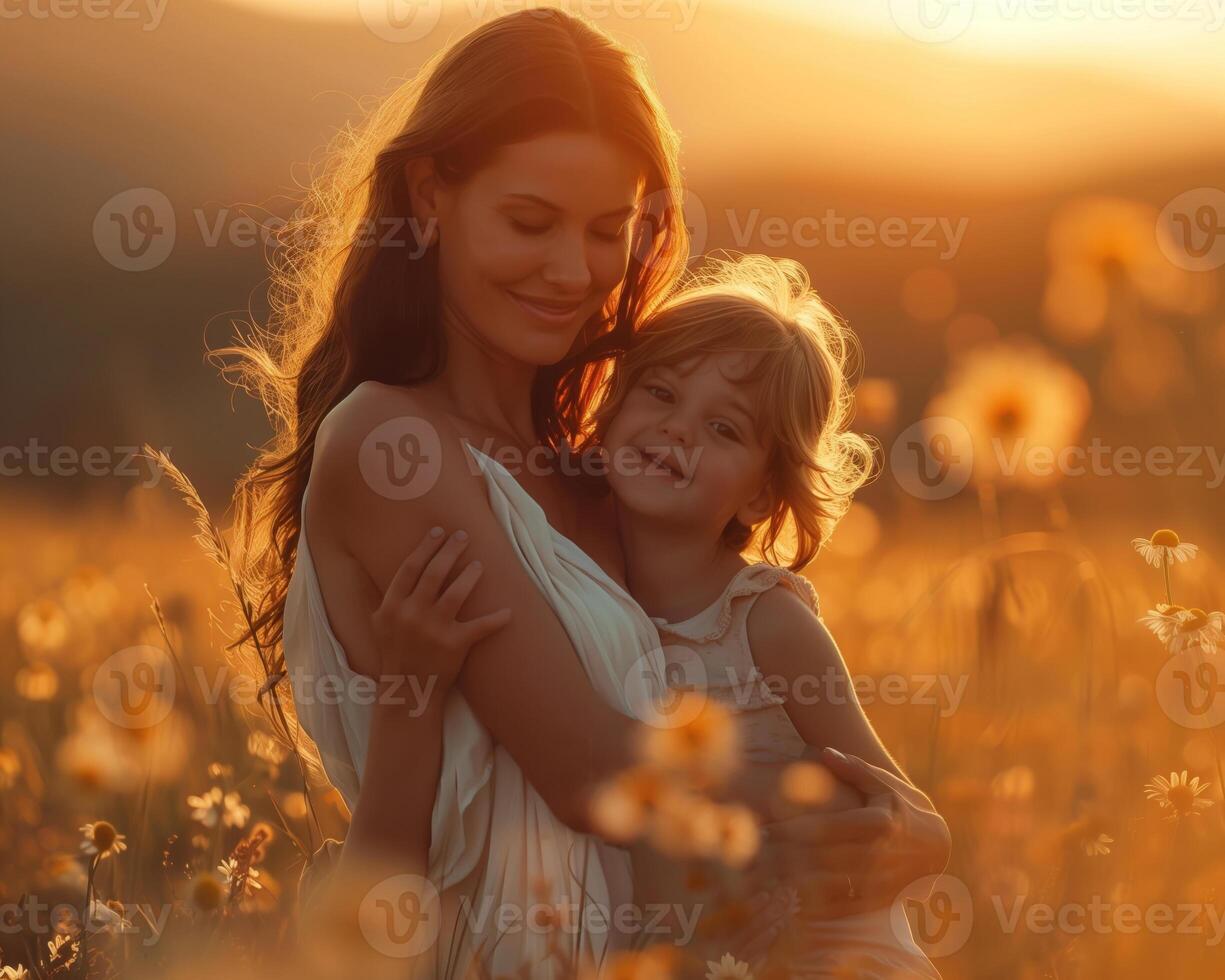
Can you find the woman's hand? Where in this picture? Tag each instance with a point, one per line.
(857, 859)
(862, 859)
(415, 628)
(920, 843)
(416, 637)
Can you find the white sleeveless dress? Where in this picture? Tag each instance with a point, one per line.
(495, 843)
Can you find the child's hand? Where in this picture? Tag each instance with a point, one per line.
(415, 627)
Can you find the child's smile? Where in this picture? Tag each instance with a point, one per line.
(685, 444)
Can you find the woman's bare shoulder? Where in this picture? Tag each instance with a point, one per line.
(383, 446)
(370, 404)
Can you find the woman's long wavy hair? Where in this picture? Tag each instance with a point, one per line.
(351, 303)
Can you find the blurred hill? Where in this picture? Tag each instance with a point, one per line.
(781, 117)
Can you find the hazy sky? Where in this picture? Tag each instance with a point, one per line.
(1172, 42)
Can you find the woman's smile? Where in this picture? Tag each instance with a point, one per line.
(558, 312)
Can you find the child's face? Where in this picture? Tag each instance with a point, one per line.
(683, 446)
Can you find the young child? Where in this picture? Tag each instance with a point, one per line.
(724, 429)
(725, 422)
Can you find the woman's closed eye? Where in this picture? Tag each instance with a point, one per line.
(538, 227)
(610, 234)
(530, 227)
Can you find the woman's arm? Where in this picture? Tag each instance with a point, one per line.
(524, 682)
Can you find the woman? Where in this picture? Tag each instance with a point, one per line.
(540, 182)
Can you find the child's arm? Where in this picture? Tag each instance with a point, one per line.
(417, 620)
(789, 642)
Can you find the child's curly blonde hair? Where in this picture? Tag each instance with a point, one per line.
(757, 304)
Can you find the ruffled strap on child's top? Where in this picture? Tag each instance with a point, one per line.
(719, 636)
(715, 620)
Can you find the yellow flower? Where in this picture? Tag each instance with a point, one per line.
(1164, 547)
(102, 839)
(739, 835)
(706, 747)
(1178, 794)
(96, 758)
(1014, 399)
(1015, 785)
(17, 972)
(1096, 243)
(653, 963)
(37, 682)
(42, 626)
(10, 768)
(207, 893)
(263, 746)
(621, 807)
(1098, 845)
(728, 968)
(806, 784)
(686, 825)
(90, 593)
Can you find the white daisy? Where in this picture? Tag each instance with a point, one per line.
(728, 968)
(102, 839)
(216, 805)
(1163, 621)
(229, 869)
(1197, 628)
(103, 918)
(1178, 795)
(1164, 547)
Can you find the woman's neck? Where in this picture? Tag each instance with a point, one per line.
(673, 573)
(485, 387)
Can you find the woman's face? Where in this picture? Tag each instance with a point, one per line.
(532, 245)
